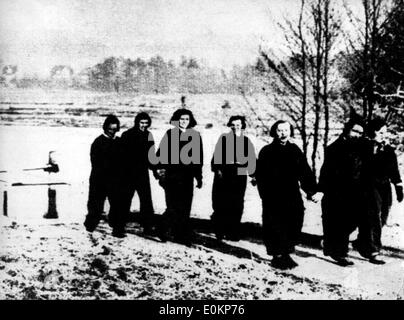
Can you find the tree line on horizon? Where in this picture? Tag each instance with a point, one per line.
(153, 76)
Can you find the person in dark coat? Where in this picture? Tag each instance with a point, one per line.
(105, 179)
(180, 161)
(384, 167)
(341, 182)
(380, 171)
(137, 143)
(282, 169)
(234, 158)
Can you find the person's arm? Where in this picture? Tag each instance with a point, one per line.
(219, 156)
(96, 155)
(394, 173)
(161, 157)
(124, 136)
(307, 177)
(198, 167)
(399, 191)
(260, 171)
(151, 149)
(395, 177)
(252, 161)
(327, 170)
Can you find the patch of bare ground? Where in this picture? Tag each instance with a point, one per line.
(65, 262)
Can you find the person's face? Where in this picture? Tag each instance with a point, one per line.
(184, 121)
(236, 126)
(356, 132)
(381, 135)
(111, 130)
(143, 124)
(283, 132)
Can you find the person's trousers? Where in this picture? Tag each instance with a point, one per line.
(386, 199)
(228, 204)
(281, 224)
(339, 220)
(99, 191)
(178, 189)
(142, 187)
(370, 226)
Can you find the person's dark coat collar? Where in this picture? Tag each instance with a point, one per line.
(108, 137)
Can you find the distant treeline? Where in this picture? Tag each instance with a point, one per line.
(156, 76)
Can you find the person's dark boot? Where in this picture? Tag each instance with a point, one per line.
(162, 234)
(342, 261)
(90, 227)
(219, 236)
(162, 229)
(186, 241)
(148, 231)
(233, 237)
(279, 262)
(290, 263)
(118, 233)
(376, 260)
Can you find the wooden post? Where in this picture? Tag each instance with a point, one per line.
(52, 210)
(5, 204)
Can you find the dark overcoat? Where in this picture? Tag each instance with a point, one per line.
(379, 171)
(382, 172)
(182, 164)
(341, 181)
(136, 148)
(104, 181)
(282, 170)
(235, 158)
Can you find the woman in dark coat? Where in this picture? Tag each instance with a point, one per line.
(180, 160)
(137, 143)
(380, 171)
(234, 158)
(282, 170)
(105, 179)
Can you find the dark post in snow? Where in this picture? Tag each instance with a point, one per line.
(5, 204)
(52, 210)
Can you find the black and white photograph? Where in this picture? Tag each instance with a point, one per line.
(188, 150)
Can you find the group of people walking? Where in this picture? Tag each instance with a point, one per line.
(355, 181)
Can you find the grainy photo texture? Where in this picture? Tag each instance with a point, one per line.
(201, 150)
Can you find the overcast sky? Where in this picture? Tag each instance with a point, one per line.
(38, 34)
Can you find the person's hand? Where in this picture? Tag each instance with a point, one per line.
(399, 192)
(219, 173)
(315, 197)
(162, 183)
(161, 177)
(155, 174)
(254, 181)
(199, 183)
(161, 173)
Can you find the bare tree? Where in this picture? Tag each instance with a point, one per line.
(365, 51)
(303, 83)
